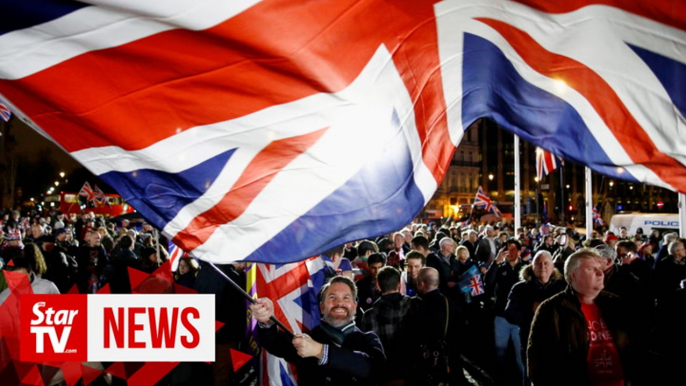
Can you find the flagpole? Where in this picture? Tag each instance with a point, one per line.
(589, 203)
(538, 194)
(517, 193)
(682, 215)
(250, 299)
(562, 198)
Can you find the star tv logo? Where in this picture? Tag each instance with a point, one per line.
(117, 328)
(53, 330)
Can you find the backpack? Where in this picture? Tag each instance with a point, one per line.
(434, 360)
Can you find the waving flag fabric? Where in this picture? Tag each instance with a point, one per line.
(100, 197)
(481, 200)
(596, 217)
(294, 288)
(471, 282)
(88, 193)
(272, 130)
(5, 113)
(545, 163)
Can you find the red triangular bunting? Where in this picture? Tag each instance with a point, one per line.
(74, 290)
(136, 277)
(32, 376)
(71, 372)
(89, 374)
(117, 370)
(47, 372)
(239, 359)
(105, 289)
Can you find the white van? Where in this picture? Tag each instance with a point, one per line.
(664, 222)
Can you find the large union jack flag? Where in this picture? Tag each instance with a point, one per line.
(272, 130)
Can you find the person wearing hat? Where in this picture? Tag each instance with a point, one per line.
(611, 240)
(29, 262)
(151, 258)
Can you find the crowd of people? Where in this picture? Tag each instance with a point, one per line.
(553, 308)
(545, 305)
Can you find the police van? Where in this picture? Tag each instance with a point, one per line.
(664, 222)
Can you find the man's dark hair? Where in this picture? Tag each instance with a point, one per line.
(515, 242)
(366, 245)
(388, 279)
(630, 246)
(335, 250)
(376, 258)
(125, 242)
(338, 279)
(421, 241)
(416, 255)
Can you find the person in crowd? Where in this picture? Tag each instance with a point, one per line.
(568, 242)
(339, 265)
(30, 262)
(92, 260)
(503, 274)
(471, 242)
(12, 244)
(350, 251)
(152, 258)
(414, 262)
(88, 226)
(443, 261)
(105, 239)
(394, 319)
(548, 244)
(487, 246)
(540, 281)
(399, 245)
(336, 352)
(440, 321)
(670, 271)
(61, 263)
(645, 253)
(633, 278)
(365, 248)
(367, 288)
(611, 240)
(668, 342)
(121, 261)
(421, 245)
(583, 335)
(663, 251)
(623, 234)
(187, 272)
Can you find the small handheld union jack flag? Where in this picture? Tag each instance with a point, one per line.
(596, 217)
(483, 201)
(5, 112)
(88, 193)
(100, 197)
(471, 282)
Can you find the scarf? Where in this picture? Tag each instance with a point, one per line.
(337, 335)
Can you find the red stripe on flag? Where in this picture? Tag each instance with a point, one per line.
(273, 53)
(256, 176)
(601, 96)
(672, 13)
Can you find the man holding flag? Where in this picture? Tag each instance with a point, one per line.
(337, 352)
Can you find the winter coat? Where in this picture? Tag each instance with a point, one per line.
(558, 343)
